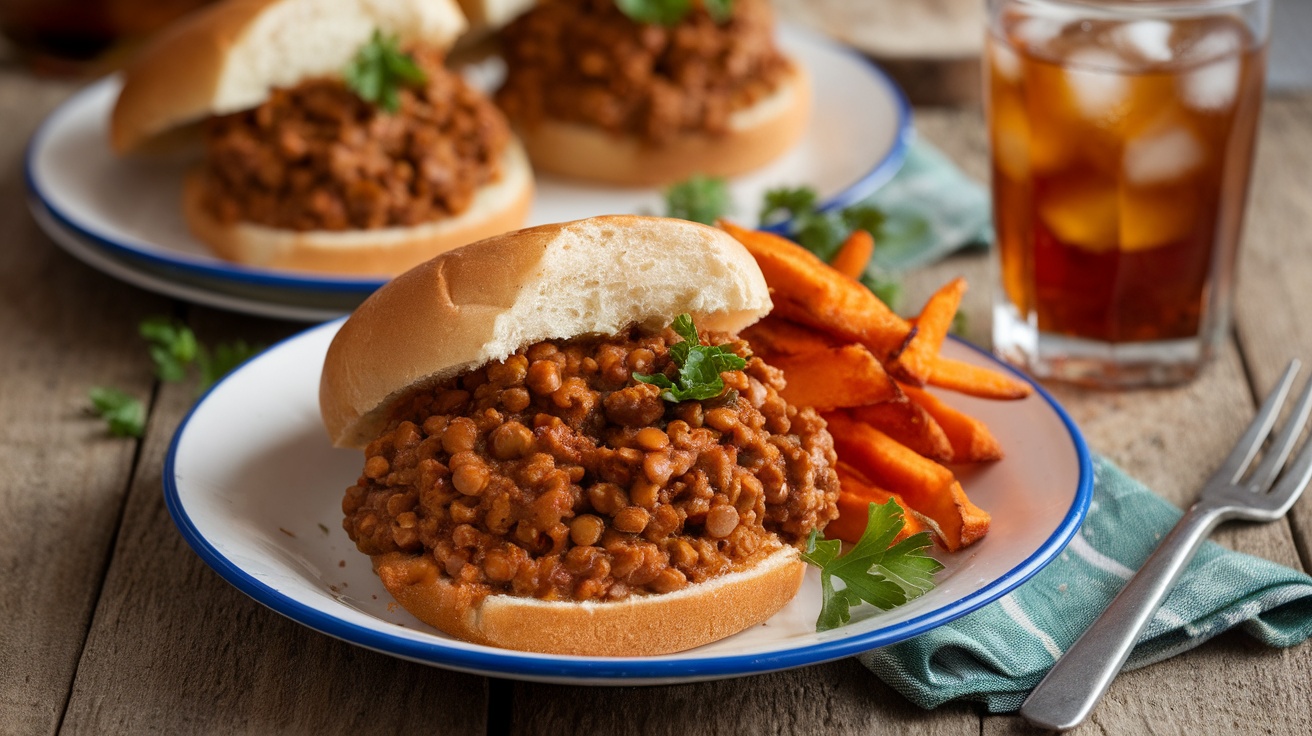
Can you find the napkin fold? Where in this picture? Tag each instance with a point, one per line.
(932, 208)
(997, 654)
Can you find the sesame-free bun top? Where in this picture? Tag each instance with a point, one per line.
(227, 57)
(482, 302)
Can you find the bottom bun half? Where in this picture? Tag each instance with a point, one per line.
(637, 626)
(497, 208)
(757, 135)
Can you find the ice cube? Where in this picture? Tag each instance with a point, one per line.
(1011, 137)
(1005, 61)
(1212, 87)
(1149, 40)
(1096, 86)
(1166, 152)
(1081, 213)
(1038, 33)
(1156, 217)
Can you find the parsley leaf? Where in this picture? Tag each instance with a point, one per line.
(225, 357)
(670, 12)
(884, 286)
(823, 233)
(960, 324)
(784, 203)
(126, 415)
(703, 199)
(719, 10)
(876, 571)
(380, 69)
(699, 365)
(173, 346)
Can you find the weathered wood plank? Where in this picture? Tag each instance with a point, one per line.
(174, 649)
(836, 698)
(1274, 298)
(65, 329)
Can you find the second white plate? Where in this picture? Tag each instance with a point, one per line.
(860, 128)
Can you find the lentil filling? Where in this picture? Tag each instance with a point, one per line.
(554, 474)
(317, 157)
(584, 61)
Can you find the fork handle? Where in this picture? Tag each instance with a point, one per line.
(1065, 697)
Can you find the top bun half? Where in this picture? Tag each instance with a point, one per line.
(480, 303)
(229, 56)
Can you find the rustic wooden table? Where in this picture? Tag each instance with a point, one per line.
(112, 624)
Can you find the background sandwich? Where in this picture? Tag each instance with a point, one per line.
(334, 138)
(651, 97)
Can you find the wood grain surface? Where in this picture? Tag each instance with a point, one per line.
(112, 625)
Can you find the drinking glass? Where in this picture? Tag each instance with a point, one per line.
(1122, 136)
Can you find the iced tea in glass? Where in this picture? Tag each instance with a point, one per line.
(1122, 138)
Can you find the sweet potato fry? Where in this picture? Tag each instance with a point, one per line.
(974, 380)
(774, 336)
(931, 329)
(929, 488)
(971, 440)
(853, 508)
(854, 255)
(911, 425)
(807, 290)
(834, 378)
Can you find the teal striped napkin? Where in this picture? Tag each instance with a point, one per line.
(997, 654)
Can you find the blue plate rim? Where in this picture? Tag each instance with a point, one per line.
(872, 180)
(512, 664)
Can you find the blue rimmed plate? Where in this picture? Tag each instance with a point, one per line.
(857, 140)
(255, 488)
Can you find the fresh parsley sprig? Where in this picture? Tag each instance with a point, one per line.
(703, 199)
(173, 349)
(125, 415)
(823, 232)
(173, 346)
(379, 70)
(670, 12)
(876, 571)
(699, 365)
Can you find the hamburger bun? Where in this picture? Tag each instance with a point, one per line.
(637, 626)
(480, 303)
(497, 207)
(757, 135)
(229, 56)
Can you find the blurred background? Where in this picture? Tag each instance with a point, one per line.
(931, 46)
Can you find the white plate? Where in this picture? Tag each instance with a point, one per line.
(255, 488)
(857, 139)
(271, 302)
(143, 276)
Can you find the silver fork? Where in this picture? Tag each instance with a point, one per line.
(1072, 688)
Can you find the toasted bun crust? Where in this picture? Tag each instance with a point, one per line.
(634, 627)
(482, 302)
(497, 208)
(228, 56)
(757, 136)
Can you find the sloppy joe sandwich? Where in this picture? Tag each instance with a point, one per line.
(600, 96)
(567, 447)
(334, 139)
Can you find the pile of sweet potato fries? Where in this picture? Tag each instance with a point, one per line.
(844, 352)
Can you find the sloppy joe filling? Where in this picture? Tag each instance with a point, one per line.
(317, 157)
(555, 474)
(586, 62)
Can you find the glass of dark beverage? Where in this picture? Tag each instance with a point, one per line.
(1122, 136)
